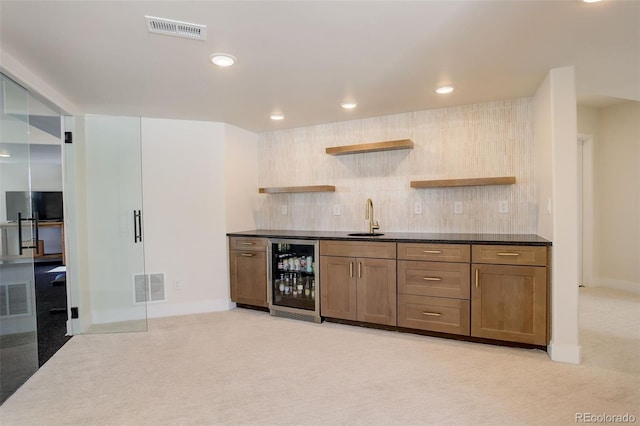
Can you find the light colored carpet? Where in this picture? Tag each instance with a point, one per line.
(246, 367)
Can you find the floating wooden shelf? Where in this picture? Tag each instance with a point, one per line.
(293, 189)
(370, 147)
(444, 183)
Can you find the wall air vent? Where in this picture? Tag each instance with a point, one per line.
(176, 28)
(148, 288)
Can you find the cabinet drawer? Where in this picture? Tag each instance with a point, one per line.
(439, 279)
(434, 314)
(510, 255)
(247, 243)
(358, 249)
(434, 252)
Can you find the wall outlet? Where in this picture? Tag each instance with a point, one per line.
(503, 206)
(336, 209)
(176, 285)
(283, 209)
(417, 208)
(457, 207)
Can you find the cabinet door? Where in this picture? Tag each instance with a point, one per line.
(248, 270)
(338, 287)
(509, 303)
(377, 291)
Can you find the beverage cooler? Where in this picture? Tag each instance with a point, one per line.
(293, 279)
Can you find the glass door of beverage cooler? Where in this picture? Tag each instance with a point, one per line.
(293, 279)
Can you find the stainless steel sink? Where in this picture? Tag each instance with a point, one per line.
(365, 234)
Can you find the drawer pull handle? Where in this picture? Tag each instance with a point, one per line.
(477, 277)
(432, 278)
(247, 254)
(359, 269)
(351, 269)
(432, 251)
(432, 314)
(246, 243)
(508, 253)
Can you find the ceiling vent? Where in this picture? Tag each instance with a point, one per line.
(176, 28)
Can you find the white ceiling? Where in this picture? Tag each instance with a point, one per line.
(303, 58)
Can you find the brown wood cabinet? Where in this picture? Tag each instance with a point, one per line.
(509, 300)
(355, 286)
(433, 287)
(248, 270)
(487, 291)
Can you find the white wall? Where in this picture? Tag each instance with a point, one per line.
(480, 140)
(556, 160)
(616, 169)
(543, 158)
(241, 178)
(184, 213)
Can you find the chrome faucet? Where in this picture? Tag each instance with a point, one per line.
(373, 225)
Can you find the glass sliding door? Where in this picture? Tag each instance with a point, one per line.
(110, 288)
(18, 320)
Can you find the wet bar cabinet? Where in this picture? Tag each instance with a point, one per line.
(293, 279)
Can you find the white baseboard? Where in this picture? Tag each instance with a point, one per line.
(175, 309)
(615, 284)
(565, 353)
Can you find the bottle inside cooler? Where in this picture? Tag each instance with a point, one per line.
(293, 274)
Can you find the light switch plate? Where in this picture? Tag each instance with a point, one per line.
(336, 209)
(417, 208)
(503, 206)
(283, 209)
(457, 207)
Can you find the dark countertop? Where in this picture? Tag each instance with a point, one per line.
(401, 237)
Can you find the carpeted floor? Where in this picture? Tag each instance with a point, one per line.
(246, 367)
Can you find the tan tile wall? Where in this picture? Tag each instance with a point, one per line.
(480, 140)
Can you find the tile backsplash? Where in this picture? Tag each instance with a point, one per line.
(479, 140)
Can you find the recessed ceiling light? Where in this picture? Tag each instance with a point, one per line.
(349, 105)
(443, 90)
(591, 1)
(223, 59)
(277, 116)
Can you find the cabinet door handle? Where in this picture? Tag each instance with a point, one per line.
(432, 314)
(432, 251)
(508, 253)
(247, 254)
(246, 243)
(351, 269)
(432, 278)
(477, 277)
(359, 269)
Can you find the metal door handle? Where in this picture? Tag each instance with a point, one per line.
(137, 226)
(34, 219)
